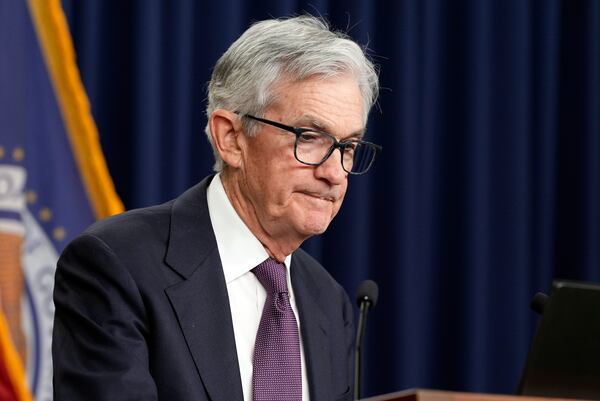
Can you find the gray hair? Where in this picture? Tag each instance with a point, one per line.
(291, 49)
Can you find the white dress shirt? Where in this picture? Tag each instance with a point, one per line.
(240, 252)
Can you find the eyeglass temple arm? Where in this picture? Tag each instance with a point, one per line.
(273, 123)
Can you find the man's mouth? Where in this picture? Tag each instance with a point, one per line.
(328, 198)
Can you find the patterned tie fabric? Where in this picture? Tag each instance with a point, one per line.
(277, 374)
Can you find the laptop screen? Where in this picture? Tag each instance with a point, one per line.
(564, 358)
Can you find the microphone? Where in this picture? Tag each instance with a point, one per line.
(538, 303)
(366, 298)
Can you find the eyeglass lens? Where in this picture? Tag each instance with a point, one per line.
(314, 147)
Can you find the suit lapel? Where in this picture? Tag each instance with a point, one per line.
(314, 328)
(200, 301)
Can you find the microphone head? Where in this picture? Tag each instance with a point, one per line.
(538, 303)
(368, 291)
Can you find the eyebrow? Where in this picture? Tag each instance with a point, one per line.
(309, 121)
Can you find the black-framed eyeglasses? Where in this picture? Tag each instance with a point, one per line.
(313, 147)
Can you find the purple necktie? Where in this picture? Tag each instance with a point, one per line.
(276, 373)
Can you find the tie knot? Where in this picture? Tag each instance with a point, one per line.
(271, 275)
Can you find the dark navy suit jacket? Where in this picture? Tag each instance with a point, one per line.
(142, 313)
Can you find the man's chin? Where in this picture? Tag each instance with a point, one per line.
(314, 226)
(310, 220)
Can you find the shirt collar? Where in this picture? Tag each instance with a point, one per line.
(239, 249)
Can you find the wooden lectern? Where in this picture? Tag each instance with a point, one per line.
(434, 395)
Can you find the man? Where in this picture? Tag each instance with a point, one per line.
(208, 297)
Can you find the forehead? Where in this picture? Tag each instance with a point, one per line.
(333, 104)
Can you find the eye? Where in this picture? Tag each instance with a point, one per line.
(350, 146)
(309, 137)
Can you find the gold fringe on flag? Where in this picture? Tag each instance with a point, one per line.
(57, 47)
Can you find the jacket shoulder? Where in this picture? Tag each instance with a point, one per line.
(150, 223)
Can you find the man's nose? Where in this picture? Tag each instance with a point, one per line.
(331, 169)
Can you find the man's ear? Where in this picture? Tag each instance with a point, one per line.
(225, 129)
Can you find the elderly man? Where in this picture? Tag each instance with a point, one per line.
(208, 297)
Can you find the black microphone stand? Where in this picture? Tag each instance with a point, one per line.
(362, 317)
(366, 297)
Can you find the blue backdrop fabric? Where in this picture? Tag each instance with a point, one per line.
(486, 190)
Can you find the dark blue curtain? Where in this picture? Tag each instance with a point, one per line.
(487, 188)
